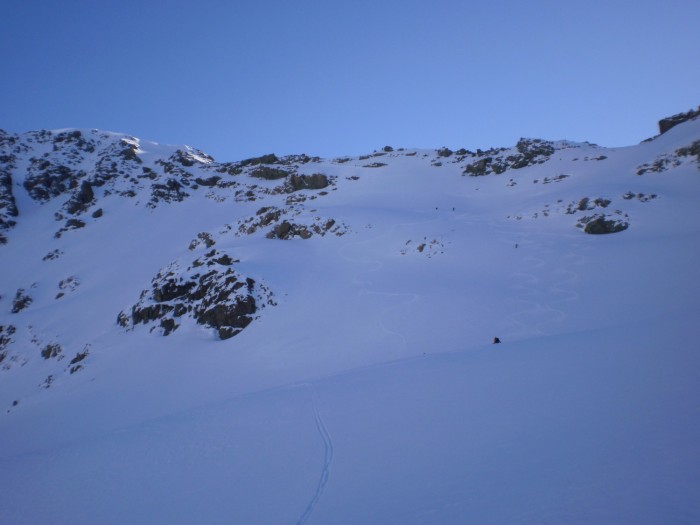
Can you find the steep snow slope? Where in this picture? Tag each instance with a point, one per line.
(328, 356)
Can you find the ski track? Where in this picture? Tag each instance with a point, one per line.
(374, 265)
(327, 460)
(542, 308)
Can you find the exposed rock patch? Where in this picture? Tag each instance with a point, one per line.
(317, 181)
(8, 206)
(21, 301)
(603, 224)
(6, 333)
(280, 224)
(51, 351)
(209, 291)
(669, 122)
(69, 284)
(529, 153)
(81, 200)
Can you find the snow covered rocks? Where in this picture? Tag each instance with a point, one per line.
(209, 291)
(600, 224)
(497, 160)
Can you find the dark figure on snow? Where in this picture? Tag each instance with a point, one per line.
(496, 340)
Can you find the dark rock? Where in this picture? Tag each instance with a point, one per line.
(237, 315)
(601, 225)
(669, 122)
(6, 333)
(123, 320)
(531, 148)
(226, 332)
(79, 357)
(218, 298)
(46, 180)
(171, 191)
(224, 260)
(8, 206)
(691, 150)
(180, 310)
(267, 173)
(21, 301)
(97, 213)
(208, 182)
(149, 313)
(282, 230)
(317, 181)
(478, 168)
(74, 224)
(202, 237)
(171, 290)
(81, 200)
(51, 350)
(168, 325)
(270, 158)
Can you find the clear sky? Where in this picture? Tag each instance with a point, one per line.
(243, 78)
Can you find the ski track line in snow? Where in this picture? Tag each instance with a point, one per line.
(411, 298)
(546, 305)
(327, 459)
(376, 265)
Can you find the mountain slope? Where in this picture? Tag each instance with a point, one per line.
(316, 333)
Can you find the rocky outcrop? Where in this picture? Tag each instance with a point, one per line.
(529, 153)
(8, 207)
(6, 333)
(317, 181)
(288, 230)
(669, 122)
(285, 224)
(209, 291)
(21, 301)
(692, 150)
(268, 173)
(81, 200)
(171, 191)
(602, 224)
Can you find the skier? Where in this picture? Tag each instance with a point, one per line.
(496, 340)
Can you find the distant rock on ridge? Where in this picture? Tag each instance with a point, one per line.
(669, 122)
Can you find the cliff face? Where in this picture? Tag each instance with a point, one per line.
(669, 122)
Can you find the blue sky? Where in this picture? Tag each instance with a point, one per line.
(327, 78)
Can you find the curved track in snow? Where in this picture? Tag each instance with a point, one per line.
(539, 307)
(327, 460)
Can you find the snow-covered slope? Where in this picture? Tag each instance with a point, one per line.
(305, 340)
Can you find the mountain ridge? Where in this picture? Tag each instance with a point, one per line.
(326, 325)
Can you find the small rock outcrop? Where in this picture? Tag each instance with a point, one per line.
(669, 122)
(317, 181)
(81, 200)
(529, 153)
(21, 301)
(209, 291)
(8, 207)
(603, 224)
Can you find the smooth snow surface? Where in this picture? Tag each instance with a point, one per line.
(370, 392)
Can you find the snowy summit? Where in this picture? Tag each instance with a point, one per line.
(306, 340)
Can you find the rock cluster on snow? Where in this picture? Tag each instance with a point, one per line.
(670, 122)
(208, 291)
(287, 223)
(529, 152)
